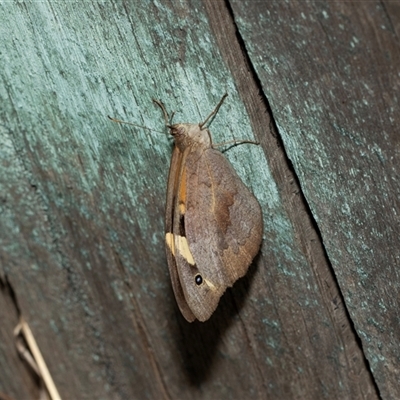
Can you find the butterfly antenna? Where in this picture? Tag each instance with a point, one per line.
(118, 121)
(167, 118)
(214, 111)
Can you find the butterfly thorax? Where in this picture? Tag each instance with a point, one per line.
(188, 135)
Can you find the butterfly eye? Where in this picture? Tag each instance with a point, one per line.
(198, 279)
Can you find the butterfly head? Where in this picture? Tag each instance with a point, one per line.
(190, 134)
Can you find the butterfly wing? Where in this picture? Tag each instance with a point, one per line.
(222, 228)
(172, 213)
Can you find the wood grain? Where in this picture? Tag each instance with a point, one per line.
(82, 199)
(337, 113)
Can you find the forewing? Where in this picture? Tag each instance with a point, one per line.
(223, 226)
(171, 215)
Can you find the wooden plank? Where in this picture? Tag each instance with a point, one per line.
(307, 238)
(82, 214)
(330, 72)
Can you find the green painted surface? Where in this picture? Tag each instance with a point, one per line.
(82, 213)
(82, 221)
(335, 101)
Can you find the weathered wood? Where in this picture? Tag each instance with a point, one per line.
(82, 199)
(331, 73)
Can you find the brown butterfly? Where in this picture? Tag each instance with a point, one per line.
(213, 222)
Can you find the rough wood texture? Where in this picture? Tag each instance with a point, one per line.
(338, 115)
(82, 199)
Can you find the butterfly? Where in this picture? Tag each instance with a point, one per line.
(213, 223)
